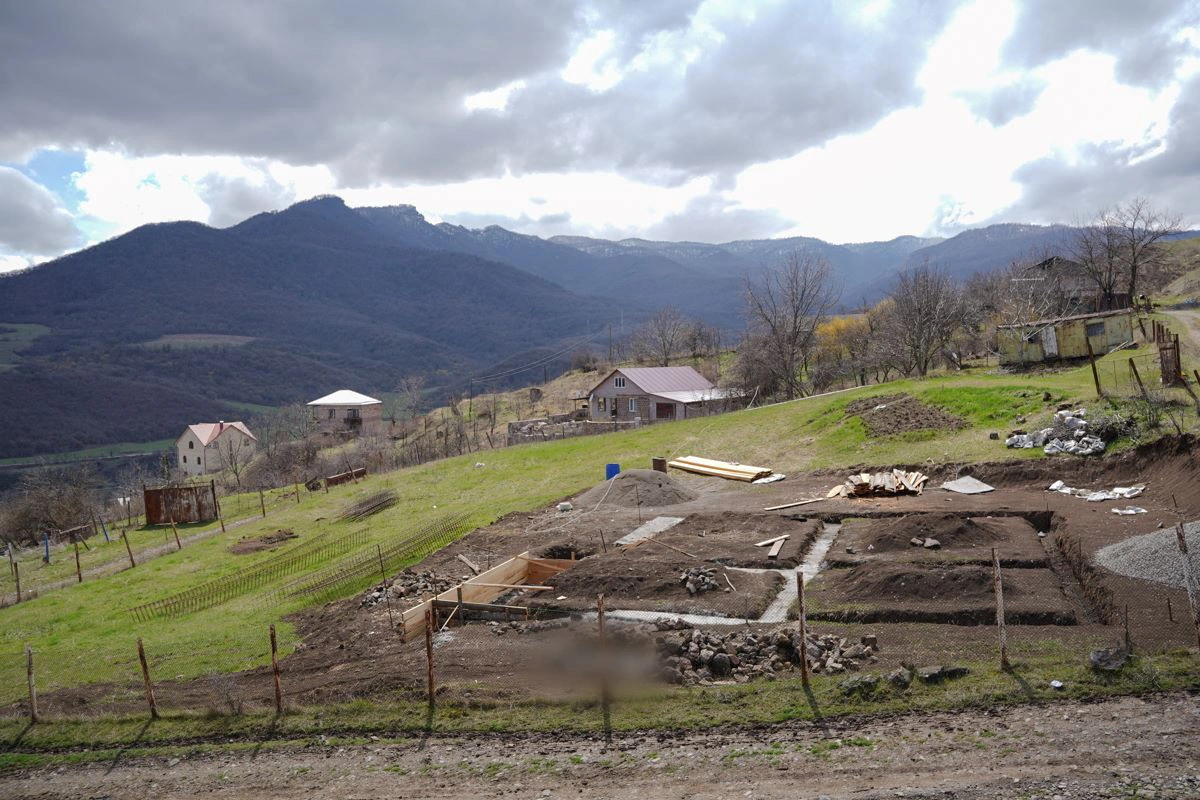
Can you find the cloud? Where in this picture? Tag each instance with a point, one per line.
(32, 221)
(377, 90)
(1142, 35)
(1003, 104)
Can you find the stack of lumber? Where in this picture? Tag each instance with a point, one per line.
(880, 484)
(719, 469)
(372, 504)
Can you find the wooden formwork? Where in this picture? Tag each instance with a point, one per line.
(521, 570)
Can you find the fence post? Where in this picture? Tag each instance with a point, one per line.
(78, 570)
(275, 673)
(146, 680)
(17, 576)
(128, 549)
(1189, 579)
(33, 713)
(1137, 376)
(998, 585)
(383, 583)
(803, 626)
(1095, 373)
(262, 503)
(297, 492)
(429, 654)
(605, 689)
(174, 530)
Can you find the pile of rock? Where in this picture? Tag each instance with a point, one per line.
(501, 628)
(699, 579)
(406, 585)
(690, 656)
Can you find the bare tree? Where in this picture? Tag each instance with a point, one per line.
(926, 311)
(1121, 243)
(234, 454)
(782, 314)
(50, 498)
(662, 337)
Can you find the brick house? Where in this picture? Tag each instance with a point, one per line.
(654, 394)
(348, 412)
(212, 446)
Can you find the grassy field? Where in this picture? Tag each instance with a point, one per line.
(92, 453)
(15, 337)
(88, 629)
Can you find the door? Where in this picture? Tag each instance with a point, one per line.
(664, 411)
(1049, 342)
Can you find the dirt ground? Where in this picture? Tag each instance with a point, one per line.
(1128, 747)
(256, 544)
(343, 644)
(961, 540)
(901, 413)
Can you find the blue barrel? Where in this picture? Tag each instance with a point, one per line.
(611, 471)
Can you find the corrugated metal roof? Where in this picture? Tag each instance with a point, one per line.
(206, 432)
(345, 397)
(1072, 318)
(656, 380)
(694, 395)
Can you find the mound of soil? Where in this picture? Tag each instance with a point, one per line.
(637, 487)
(728, 538)
(256, 544)
(961, 539)
(883, 591)
(651, 583)
(892, 414)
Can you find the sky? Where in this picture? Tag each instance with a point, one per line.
(706, 120)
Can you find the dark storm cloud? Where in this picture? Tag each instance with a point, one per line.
(1107, 173)
(31, 220)
(375, 89)
(1140, 34)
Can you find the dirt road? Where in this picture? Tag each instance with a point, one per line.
(1129, 747)
(1188, 328)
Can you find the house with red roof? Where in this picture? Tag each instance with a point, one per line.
(654, 394)
(214, 446)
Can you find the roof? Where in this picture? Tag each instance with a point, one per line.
(1072, 318)
(207, 432)
(656, 380)
(345, 397)
(694, 395)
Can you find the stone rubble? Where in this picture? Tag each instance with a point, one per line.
(699, 579)
(406, 585)
(1068, 435)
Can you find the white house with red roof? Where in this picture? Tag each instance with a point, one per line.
(214, 446)
(654, 394)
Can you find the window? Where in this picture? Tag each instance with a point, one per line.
(1095, 329)
(619, 382)
(191, 445)
(633, 405)
(185, 459)
(352, 413)
(332, 413)
(599, 403)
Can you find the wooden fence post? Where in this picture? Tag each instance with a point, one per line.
(803, 626)
(1095, 373)
(17, 576)
(1138, 377)
(33, 713)
(383, 583)
(262, 503)
(212, 485)
(998, 585)
(174, 530)
(128, 549)
(275, 673)
(605, 689)
(297, 492)
(78, 570)
(146, 680)
(1189, 579)
(429, 655)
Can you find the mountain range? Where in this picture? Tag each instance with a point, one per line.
(173, 323)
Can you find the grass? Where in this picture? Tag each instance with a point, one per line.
(92, 453)
(101, 738)
(198, 340)
(86, 635)
(15, 337)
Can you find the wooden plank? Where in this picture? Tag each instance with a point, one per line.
(775, 548)
(453, 604)
(530, 587)
(799, 502)
(766, 542)
(672, 547)
(471, 565)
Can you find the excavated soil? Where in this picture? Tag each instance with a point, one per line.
(268, 541)
(633, 488)
(961, 540)
(729, 539)
(647, 579)
(901, 413)
(880, 591)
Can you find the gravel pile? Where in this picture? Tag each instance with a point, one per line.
(1153, 557)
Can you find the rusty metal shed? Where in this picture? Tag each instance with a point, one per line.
(179, 504)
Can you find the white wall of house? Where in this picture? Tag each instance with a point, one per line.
(192, 457)
(333, 419)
